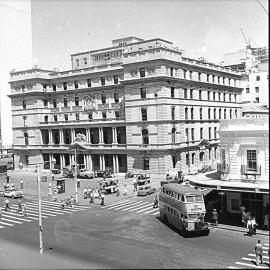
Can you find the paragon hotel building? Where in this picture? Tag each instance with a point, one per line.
(141, 105)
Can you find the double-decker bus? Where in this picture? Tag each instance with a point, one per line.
(183, 207)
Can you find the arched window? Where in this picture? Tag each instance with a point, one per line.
(173, 135)
(145, 136)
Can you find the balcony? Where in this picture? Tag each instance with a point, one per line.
(223, 168)
(116, 105)
(76, 108)
(103, 106)
(245, 170)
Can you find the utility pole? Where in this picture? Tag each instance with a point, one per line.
(39, 213)
(75, 176)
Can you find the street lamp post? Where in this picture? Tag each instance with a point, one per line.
(75, 175)
(39, 202)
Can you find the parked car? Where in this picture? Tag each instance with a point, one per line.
(145, 190)
(108, 173)
(12, 193)
(86, 174)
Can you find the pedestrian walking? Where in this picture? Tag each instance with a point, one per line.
(259, 253)
(85, 193)
(5, 185)
(19, 209)
(102, 196)
(24, 210)
(254, 225)
(91, 197)
(155, 204)
(117, 191)
(63, 203)
(6, 202)
(12, 185)
(21, 183)
(249, 227)
(78, 183)
(215, 217)
(135, 184)
(88, 192)
(125, 190)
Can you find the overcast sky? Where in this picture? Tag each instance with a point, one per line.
(207, 28)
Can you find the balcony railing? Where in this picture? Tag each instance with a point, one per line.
(222, 167)
(245, 170)
(103, 106)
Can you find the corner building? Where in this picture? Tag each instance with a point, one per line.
(141, 105)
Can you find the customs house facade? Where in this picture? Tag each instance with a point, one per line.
(141, 104)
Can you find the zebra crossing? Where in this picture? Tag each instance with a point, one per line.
(250, 260)
(127, 205)
(49, 209)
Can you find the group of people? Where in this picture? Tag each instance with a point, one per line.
(21, 208)
(89, 193)
(8, 185)
(69, 202)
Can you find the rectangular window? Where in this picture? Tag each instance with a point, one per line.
(64, 85)
(230, 98)
(44, 87)
(200, 94)
(78, 62)
(184, 73)
(209, 153)
(193, 158)
(46, 119)
(115, 79)
(235, 112)
(235, 98)
(171, 69)
(225, 114)
(89, 83)
(76, 101)
(55, 118)
(76, 85)
(103, 98)
(54, 103)
(201, 114)
(142, 72)
(199, 76)
(251, 160)
(104, 115)
(192, 134)
(230, 113)
(209, 113)
(187, 135)
(85, 60)
(24, 104)
(256, 89)
(65, 102)
(192, 113)
(224, 97)
(208, 95)
(186, 113)
(102, 80)
(215, 113)
(218, 79)
(214, 95)
(191, 93)
(173, 113)
(24, 121)
(90, 116)
(172, 91)
(116, 97)
(144, 114)
(185, 93)
(201, 133)
(219, 114)
(66, 117)
(146, 163)
(26, 141)
(207, 77)
(143, 92)
(117, 114)
(77, 117)
(209, 133)
(258, 78)
(54, 87)
(215, 132)
(190, 75)
(257, 100)
(187, 159)
(247, 90)
(219, 96)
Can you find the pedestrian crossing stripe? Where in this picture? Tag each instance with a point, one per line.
(49, 209)
(252, 265)
(252, 260)
(264, 257)
(133, 206)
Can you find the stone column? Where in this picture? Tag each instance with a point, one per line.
(72, 135)
(100, 162)
(61, 136)
(61, 161)
(116, 163)
(84, 160)
(70, 159)
(114, 135)
(101, 138)
(50, 136)
(103, 162)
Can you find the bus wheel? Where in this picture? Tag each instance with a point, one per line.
(165, 219)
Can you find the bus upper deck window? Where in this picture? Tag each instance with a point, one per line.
(199, 198)
(189, 199)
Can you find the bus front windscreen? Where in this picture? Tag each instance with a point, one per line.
(189, 198)
(199, 198)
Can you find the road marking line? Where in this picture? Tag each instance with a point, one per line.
(1, 227)
(33, 213)
(123, 204)
(139, 207)
(17, 218)
(135, 205)
(30, 213)
(150, 211)
(47, 213)
(151, 207)
(116, 203)
(76, 206)
(155, 213)
(56, 208)
(251, 265)
(232, 267)
(266, 244)
(14, 221)
(4, 223)
(264, 247)
(45, 208)
(254, 255)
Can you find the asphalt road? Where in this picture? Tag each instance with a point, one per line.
(111, 238)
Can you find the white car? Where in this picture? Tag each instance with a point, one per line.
(12, 193)
(86, 174)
